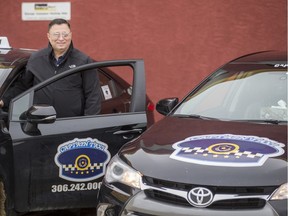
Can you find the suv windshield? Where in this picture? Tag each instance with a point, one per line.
(257, 95)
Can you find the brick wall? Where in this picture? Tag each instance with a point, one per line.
(181, 41)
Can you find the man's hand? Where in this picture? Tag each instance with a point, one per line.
(1, 103)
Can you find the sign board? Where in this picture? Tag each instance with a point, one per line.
(45, 10)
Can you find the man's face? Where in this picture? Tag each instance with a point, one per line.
(60, 37)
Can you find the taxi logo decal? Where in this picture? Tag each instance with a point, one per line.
(82, 159)
(226, 150)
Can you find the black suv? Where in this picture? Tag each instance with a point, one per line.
(222, 150)
(49, 163)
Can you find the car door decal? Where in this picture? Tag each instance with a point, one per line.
(81, 160)
(226, 150)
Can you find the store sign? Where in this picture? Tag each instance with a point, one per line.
(46, 10)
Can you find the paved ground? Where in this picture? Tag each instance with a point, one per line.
(82, 212)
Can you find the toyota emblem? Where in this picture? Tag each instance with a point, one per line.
(200, 197)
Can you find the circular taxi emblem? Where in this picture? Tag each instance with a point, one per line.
(200, 197)
(223, 148)
(82, 162)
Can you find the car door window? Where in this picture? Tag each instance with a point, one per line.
(20, 106)
(115, 93)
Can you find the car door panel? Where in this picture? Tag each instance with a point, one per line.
(63, 163)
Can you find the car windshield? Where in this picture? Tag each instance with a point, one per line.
(256, 95)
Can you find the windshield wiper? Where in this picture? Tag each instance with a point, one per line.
(194, 116)
(274, 121)
(269, 121)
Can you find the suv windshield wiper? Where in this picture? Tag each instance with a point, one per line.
(194, 116)
(269, 121)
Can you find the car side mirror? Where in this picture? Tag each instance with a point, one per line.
(37, 114)
(42, 114)
(165, 106)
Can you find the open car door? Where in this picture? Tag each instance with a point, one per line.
(60, 162)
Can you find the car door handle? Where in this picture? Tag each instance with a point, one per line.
(133, 131)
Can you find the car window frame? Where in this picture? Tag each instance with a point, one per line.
(138, 79)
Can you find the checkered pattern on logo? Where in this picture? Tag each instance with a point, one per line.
(71, 167)
(205, 152)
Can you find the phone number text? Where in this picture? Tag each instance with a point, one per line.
(75, 187)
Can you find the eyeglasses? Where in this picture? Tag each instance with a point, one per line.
(56, 35)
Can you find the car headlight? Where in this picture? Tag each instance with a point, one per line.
(281, 193)
(118, 171)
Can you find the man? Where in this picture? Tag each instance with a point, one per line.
(75, 95)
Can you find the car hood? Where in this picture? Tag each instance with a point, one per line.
(189, 151)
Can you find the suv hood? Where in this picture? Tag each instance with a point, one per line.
(208, 152)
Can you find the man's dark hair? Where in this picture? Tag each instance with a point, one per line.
(58, 22)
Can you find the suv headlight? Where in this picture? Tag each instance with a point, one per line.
(281, 193)
(118, 171)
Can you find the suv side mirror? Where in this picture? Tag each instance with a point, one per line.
(165, 106)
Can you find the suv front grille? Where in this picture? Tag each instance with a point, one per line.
(239, 204)
(256, 193)
(166, 197)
